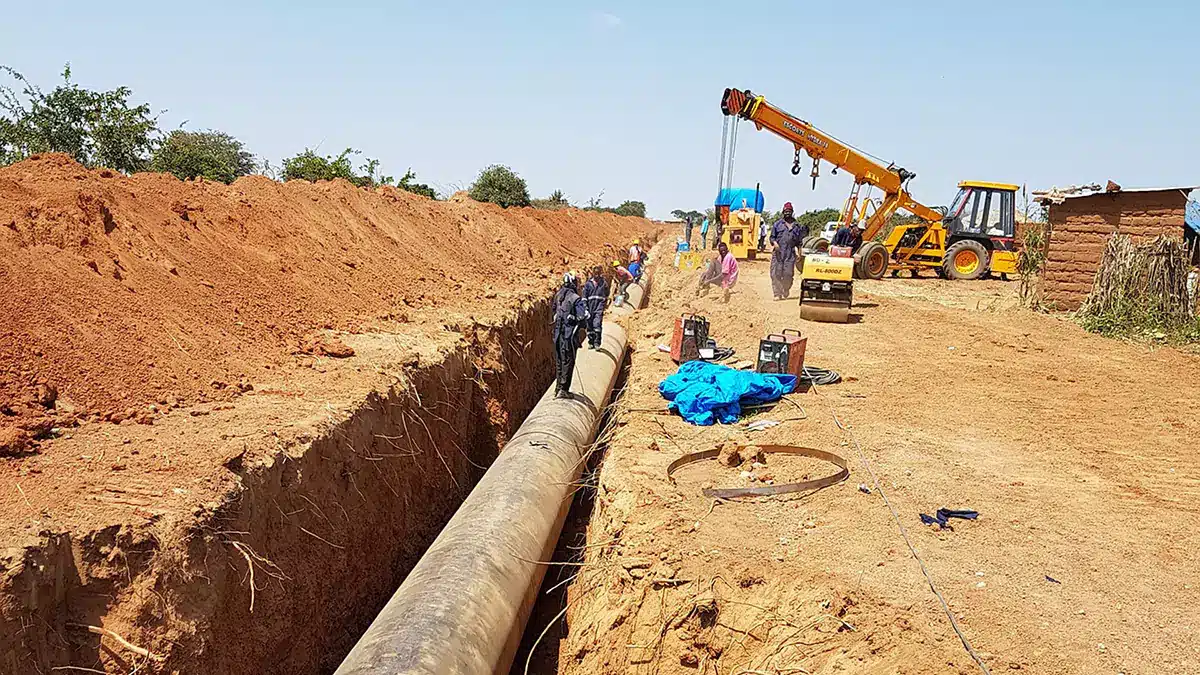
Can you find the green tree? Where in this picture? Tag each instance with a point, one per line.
(500, 185)
(214, 155)
(97, 128)
(631, 208)
(815, 220)
(694, 217)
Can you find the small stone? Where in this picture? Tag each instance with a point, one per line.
(981, 585)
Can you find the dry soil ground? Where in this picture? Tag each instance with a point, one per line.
(232, 417)
(1079, 452)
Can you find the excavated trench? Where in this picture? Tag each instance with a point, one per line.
(323, 526)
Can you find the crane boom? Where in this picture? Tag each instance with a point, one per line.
(821, 146)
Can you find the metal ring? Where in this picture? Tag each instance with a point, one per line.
(766, 491)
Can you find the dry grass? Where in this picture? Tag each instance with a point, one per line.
(1141, 291)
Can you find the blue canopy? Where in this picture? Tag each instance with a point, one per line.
(732, 197)
(703, 393)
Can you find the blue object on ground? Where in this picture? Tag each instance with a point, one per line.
(705, 393)
(944, 515)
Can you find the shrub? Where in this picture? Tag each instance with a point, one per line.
(500, 185)
(214, 155)
(1031, 259)
(556, 201)
(312, 167)
(408, 183)
(97, 128)
(631, 208)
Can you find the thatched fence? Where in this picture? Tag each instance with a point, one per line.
(1141, 288)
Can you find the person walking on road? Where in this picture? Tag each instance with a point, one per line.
(569, 314)
(786, 235)
(595, 300)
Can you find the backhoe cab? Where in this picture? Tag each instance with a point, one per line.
(976, 236)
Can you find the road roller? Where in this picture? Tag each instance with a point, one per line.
(826, 288)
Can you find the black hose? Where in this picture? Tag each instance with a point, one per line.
(819, 376)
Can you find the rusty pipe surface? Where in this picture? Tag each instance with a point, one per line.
(464, 607)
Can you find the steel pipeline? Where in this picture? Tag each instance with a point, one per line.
(464, 606)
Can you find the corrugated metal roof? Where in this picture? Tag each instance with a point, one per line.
(1056, 196)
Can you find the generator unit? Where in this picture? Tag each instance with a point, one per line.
(782, 353)
(691, 334)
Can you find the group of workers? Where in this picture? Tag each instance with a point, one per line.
(786, 237)
(576, 309)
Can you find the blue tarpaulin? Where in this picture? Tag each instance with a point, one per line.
(1191, 215)
(733, 198)
(704, 393)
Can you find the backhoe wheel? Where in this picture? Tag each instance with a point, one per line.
(872, 261)
(967, 259)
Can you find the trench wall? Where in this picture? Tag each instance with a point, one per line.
(331, 525)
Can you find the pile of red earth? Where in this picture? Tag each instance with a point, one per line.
(120, 295)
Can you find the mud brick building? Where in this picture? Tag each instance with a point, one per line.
(1080, 225)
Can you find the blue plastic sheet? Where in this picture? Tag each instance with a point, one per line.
(735, 197)
(705, 393)
(1191, 215)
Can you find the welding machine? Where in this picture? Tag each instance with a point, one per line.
(691, 333)
(782, 353)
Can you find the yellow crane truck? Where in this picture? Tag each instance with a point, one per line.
(974, 237)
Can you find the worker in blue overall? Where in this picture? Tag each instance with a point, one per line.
(569, 315)
(595, 299)
(786, 235)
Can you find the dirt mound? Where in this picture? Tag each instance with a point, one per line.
(126, 295)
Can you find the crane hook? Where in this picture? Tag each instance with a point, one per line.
(816, 172)
(796, 164)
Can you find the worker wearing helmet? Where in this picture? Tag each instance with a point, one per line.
(595, 299)
(624, 277)
(569, 314)
(635, 252)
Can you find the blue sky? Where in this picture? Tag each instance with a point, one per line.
(623, 96)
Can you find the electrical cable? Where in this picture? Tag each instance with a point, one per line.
(733, 137)
(862, 458)
(724, 146)
(819, 376)
(721, 353)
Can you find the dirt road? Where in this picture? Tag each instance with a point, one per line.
(1079, 452)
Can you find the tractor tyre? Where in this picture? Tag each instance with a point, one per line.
(966, 259)
(820, 244)
(872, 261)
